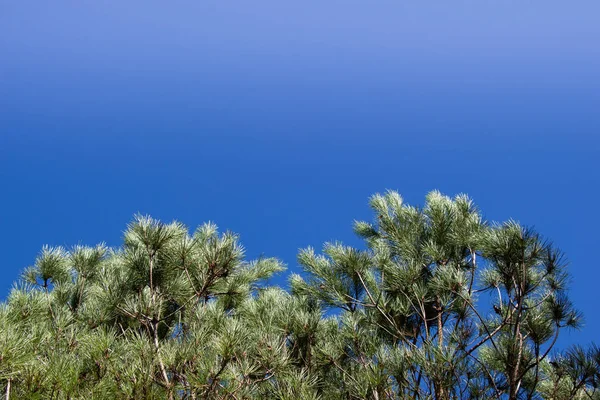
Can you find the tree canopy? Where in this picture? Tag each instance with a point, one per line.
(438, 304)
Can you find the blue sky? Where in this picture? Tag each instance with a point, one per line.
(278, 120)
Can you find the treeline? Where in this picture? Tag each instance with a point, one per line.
(440, 304)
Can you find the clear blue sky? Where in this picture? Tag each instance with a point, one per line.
(278, 119)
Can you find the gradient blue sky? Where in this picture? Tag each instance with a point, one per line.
(279, 119)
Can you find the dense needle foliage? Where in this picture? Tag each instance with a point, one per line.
(439, 304)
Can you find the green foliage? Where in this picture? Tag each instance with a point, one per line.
(438, 304)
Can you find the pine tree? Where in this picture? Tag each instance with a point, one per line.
(415, 294)
(438, 304)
